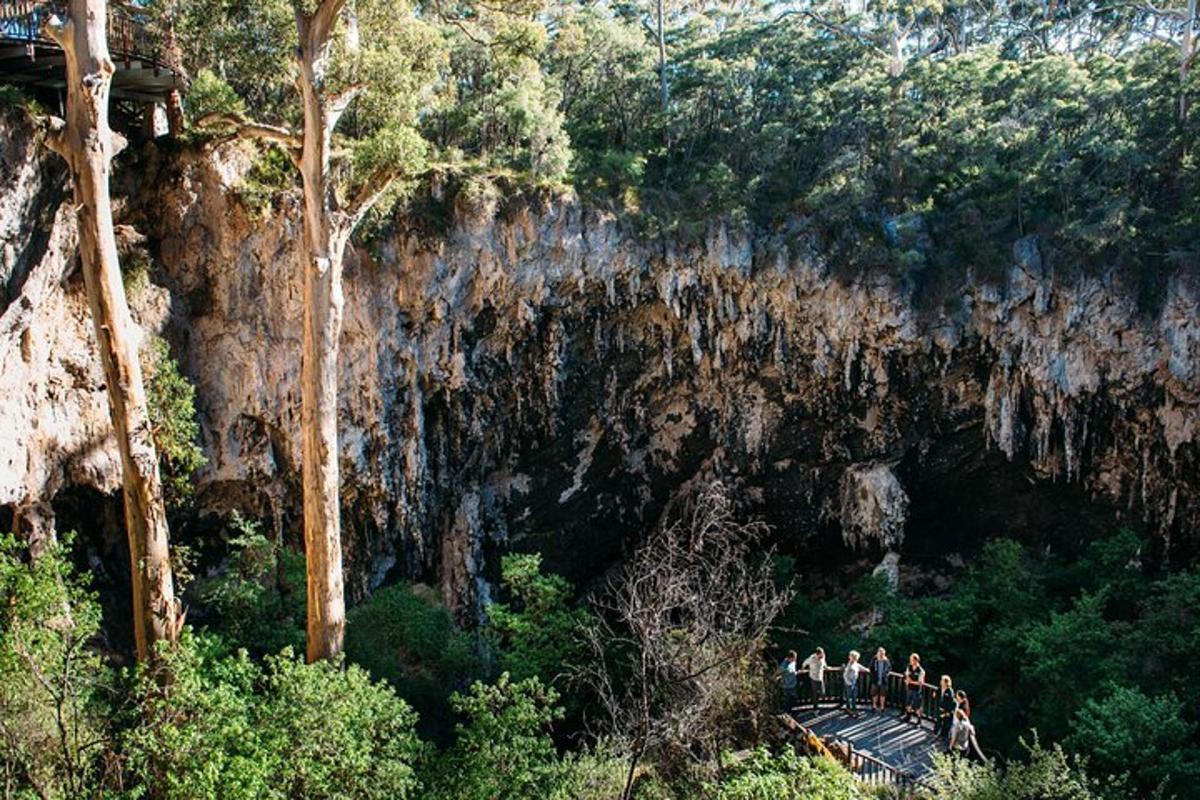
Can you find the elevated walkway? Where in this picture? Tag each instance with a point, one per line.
(876, 746)
(904, 747)
(148, 66)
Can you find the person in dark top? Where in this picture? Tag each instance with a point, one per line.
(946, 706)
(789, 680)
(961, 700)
(914, 682)
(880, 667)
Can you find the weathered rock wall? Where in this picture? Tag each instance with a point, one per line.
(535, 376)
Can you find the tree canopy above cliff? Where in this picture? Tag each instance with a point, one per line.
(914, 132)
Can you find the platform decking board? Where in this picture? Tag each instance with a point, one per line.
(882, 735)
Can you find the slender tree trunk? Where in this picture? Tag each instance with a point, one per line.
(1187, 52)
(86, 143)
(664, 88)
(322, 250)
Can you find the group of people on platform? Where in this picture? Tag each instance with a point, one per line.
(952, 708)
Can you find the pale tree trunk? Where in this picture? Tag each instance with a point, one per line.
(86, 142)
(661, 33)
(1187, 54)
(322, 249)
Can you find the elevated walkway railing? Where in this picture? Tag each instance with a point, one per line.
(863, 765)
(131, 36)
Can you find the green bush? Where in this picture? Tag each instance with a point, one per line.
(55, 691)
(503, 749)
(539, 633)
(171, 399)
(1044, 774)
(762, 775)
(1124, 732)
(258, 601)
(210, 94)
(224, 726)
(404, 635)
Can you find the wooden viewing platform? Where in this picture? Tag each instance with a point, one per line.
(148, 66)
(876, 746)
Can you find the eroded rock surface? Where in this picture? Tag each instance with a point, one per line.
(536, 376)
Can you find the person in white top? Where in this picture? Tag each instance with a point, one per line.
(961, 731)
(815, 665)
(850, 675)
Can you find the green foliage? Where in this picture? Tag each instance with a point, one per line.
(210, 94)
(1125, 732)
(258, 600)
(1045, 774)
(242, 44)
(172, 404)
(54, 689)
(14, 97)
(404, 635)
(596, 773)
(539, 634)
(763, 775)
(503, 749)
(505, 111)
(271, 173)
(1036, 638)
(227, 727)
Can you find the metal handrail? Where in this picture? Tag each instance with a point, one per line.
(865, 766)
(130, 34)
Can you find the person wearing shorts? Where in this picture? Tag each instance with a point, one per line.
(880, 668)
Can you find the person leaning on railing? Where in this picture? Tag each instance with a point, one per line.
(816, 667)
(788, 681)
(850, 674)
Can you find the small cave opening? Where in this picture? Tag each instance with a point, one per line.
(99, 549)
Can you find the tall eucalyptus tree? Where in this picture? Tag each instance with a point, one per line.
(87, 144)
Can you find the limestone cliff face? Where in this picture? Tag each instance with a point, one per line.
(535, 376)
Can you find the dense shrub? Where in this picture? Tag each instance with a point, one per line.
(404, 635)
(171, 399)
(257, 601)
(226, 726)
(503, 749)
(1124, 732)
(55, 691)
(538, 633)
(762, 775)
(1043, 774)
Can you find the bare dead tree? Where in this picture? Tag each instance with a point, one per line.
(678, 648)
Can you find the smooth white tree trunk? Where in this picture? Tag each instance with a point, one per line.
(86, 142)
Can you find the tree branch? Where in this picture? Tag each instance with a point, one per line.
(372, 189)
(336, 105)
(246, 129)
(319, 25)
